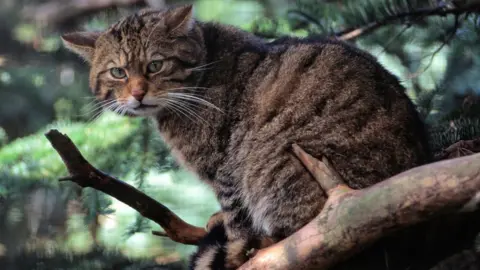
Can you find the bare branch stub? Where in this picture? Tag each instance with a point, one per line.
(322, 171)
(85, 175)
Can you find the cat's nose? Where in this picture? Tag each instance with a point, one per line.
(138, 94)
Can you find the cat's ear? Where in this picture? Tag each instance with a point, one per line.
(180, 20)
(81, 43)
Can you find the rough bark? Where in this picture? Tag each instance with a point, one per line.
(354, 219)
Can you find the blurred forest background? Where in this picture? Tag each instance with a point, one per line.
(431, 45)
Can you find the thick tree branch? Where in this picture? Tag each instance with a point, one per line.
(354, 219)
(350, 221)
(355, 32)
(85, 175)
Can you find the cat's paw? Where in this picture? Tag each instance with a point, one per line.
(239, 251)
(216, 251)
(214, 220)
(236, 253)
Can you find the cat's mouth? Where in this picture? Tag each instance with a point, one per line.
(145, 110)
(145, 106)
(142, 108)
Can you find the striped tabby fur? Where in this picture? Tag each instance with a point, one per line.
(230, 105)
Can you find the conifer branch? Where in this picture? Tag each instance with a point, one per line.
(353, 219)
(85, 175)
(409, 17)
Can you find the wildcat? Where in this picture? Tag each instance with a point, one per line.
(230, 105)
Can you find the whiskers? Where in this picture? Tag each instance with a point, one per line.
(205, 67)
(186, 104)
(120, 109)
(100, 107)
(194, 99)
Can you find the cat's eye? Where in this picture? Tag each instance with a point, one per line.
(154, 66)
(118, 73)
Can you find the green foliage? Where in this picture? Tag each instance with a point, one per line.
(127, 148)
(447, 133)
(240, 13)
(97, 259)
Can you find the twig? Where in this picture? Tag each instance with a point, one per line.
(445, 42)
(354, 219)
(159, 233)
(85, 175)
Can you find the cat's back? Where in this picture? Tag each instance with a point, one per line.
(304, 64)
(336, 100)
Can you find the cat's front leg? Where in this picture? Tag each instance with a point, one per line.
(217, 252)
(237, 224)
(281, 195)
(237, 246)
(241, 246)
(241, 238)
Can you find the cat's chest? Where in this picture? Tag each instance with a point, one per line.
(197, 153)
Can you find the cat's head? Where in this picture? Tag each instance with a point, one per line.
(144, 59)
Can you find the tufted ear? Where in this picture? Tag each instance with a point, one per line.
(179, 20)
(81, 43)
